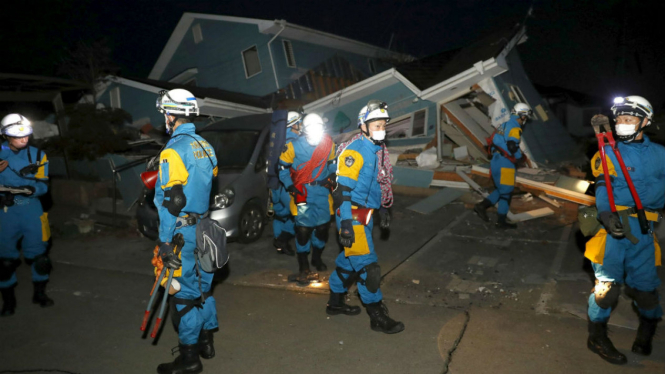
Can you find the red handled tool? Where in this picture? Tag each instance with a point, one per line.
(597, 122)
(177, 241)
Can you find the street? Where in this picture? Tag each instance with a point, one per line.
(473, 300)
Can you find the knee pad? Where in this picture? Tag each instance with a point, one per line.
(373, 280)
(321, 232)
(606, 294)
(303, 234)
(643, 299)
(7, 268)
(42, 264)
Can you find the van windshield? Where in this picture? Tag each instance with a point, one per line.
(233, 148)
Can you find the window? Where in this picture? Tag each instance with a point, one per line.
(198, 35)
(288, 52)
(250, 58)
(518, 96)
(411, 125)
(115, 98)
(372, 67)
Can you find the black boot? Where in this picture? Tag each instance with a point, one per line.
(481, 209)
(304, 276)
(336, 305)
(187, 363)
(206, 347)
(645, 333)
(599, 343)
(503, 223)
(283, 246)
(316, 259)
(380, 321)
(8, 301)
(39, 296)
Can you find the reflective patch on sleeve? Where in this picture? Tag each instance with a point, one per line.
(172, 170)
(597, 165)
(288, 155)
(46, 229)
(215, 171)
(42, 172)
(595, 247)
(360, 246)
(507, 177)
(515, 133)
(349, 164)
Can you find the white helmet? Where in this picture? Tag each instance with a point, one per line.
(635, 106)
(293, 118)
(177, 103)
(15, 125)
(313, 128)
(521, 109)
(374, 110)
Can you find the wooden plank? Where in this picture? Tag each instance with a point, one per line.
(532, 214)
(470, 136)
(550, 201)
(447, 176)
(436, 201)
(451, 184)
(412, 177)
(561, 193)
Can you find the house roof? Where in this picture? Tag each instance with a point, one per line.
(578, 98)
(284, 28)
(251, 122)
(428, 71)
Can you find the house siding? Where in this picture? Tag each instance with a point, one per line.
(138, 103)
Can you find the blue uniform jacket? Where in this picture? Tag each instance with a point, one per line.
(184, 162)
(17, 161)
(281, 199)
(358, 168)
(509, 131)
(645, 162)
(298, 152)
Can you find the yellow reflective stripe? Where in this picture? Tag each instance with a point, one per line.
(658, 252)
(215, 171)
(289, 154)
(360, 246)
(41, 172)
(515, 133)
(595, 247)
(332, 152)
(46, 229)
(349, 164)
(177, 171)
(597, 165)
(507, 177)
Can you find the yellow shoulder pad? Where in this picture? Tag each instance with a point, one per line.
(515, 133)
(41, 172)
(177, 172)
(289, 154)
(597, 165)
(349, 164)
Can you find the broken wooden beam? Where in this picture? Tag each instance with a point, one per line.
(550, 201)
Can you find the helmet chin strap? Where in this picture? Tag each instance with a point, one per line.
(366, 133)
(630, 138)
(170, 124)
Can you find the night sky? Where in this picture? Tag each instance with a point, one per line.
(602, 48)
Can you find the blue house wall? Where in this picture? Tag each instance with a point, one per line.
(400, 103)
(548, 141)
(138, 103)
(218, 58)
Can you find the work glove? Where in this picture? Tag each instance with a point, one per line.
(293, 190)
(168, 256)
(346, 234)
(612, 223)
(29, 188)
(384, 214)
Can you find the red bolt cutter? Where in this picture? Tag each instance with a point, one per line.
(597, 122)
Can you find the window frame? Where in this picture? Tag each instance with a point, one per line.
(244, 61)
(287, 54)
(521, 98)
(197, 33)
(412, 117)
(114, 98)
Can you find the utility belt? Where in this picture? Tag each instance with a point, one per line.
(589, 224)
(190, 219)
(629, 211)
(322, 183)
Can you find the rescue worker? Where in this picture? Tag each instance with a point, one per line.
(182, 195)
(283, 225)
(358, 193)
(26, 168)
(506, 154)
(307, 168)
(622, 252)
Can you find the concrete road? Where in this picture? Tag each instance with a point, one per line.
(473, 300)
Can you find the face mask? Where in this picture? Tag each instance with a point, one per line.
(378, 135)
(625, 129)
